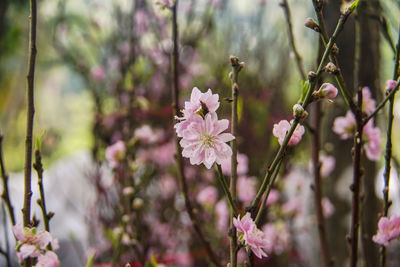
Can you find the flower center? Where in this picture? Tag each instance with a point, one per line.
(207, 140)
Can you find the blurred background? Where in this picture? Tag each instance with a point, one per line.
(104, 74)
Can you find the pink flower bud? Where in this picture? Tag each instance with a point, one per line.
(310, 23)
(328, 91)
(390, 85)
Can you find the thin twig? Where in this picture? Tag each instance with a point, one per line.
(5, 195)
(265, 198)
(179, 160)
(228, 194)
(355, 187)
(236, 67)
(285, 5)
(38, 166)
(315, 148)
(318, 5)
(388, 151)
(382, 104)
(31, 111)
(308, 99)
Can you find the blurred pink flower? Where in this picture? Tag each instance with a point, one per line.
(168, 186)
(273, 197)
(344, 126)
(250, 235)
(163, 155)
(372, 143)
(388, 229)
(368, 103)
(146, 134)
(327, 207)
(222, 212)
(390, 85)
(207, 196)
(246, 187)
(98, 74)
(278, 235)
(283, 127)
(327, 165)
(292, 207)
(242, 167)
(204, 142)
(141, 21)
(49, 259)
(198, 101)
(115, 153)
(164, 3)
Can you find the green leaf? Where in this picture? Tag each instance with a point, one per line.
(39, 141)
(354, 5)
(305, 85)
(90, 260)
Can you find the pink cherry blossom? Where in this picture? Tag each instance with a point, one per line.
(327, 207)
(273, 197)
(250, 235)
(115, 153)
(344, 126)
(368, 103)
(280, 130)
(327, 165)
(242, 167)
(207, 196)
(292, 207)
(204, 142)
(197, 99)
(49, 259)
(390, 85)
(32, 244)
(222, 212)
(278, 235)
(372, 143)
(388, 229)
(147, 135)
(328, 91)
(246, 187)
(98, 74)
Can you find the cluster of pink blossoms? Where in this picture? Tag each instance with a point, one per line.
(34, 245)
(250, 235)
(345, 127)
(203, 140)
(388, 229)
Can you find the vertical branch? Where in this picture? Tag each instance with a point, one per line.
(31, 111)
(4, 176)
(179, 160)
(236, 67)
(388, 151)
(42, 201)
(355, 187)
(315, 148)
(285, 5)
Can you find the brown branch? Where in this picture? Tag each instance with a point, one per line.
(5, 195)
(315, 148)
(179, 160)
(30, 114)
(284, 4)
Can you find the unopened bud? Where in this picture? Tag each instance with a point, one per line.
(335, 49)
(125, 218)
(312, 75)
(390, 85)
(331, 68)
(326, 91)
(137, 203)
(299, 112)
(127, 191)
(310, 23)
